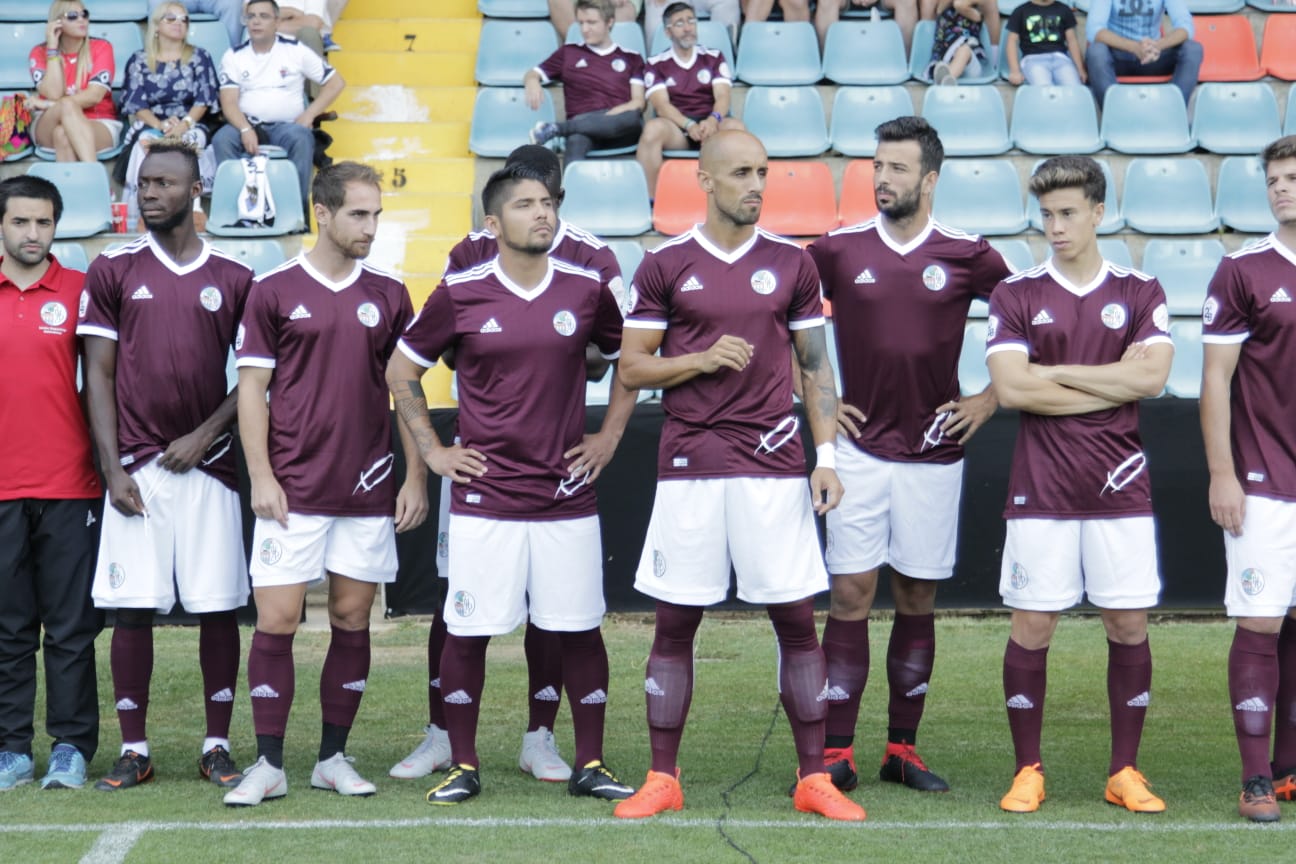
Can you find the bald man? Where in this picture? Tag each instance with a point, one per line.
(726, 303)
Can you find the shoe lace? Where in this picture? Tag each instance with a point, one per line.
(910, 756)
(127, 761)
(1257, 789)
(8, 760)
(61, 760)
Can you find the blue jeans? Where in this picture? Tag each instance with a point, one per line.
(1053, 67)
(230, 13)
(1105, 63)
(297, 140)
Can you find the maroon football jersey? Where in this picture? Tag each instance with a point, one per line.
(1087, 465)
(689, 86)
(571, 244)
(593, 80)
(899, 312)
(520, 361)
(1250, 301)
(173, 326)
(330, 419)
(729, 424)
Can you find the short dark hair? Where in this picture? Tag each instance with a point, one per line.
(1283, 148)
(329, 186)
(919, 130)
(271, 2)
(603, 7)
(501, 183)
(1070, 172)
(675, 8)
(543, 160)
(184, 148)
(27, 186)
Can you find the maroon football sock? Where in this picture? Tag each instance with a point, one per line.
(1025, 676)
(343, 678)
(910, 655)
(668, 681)
(1253, 688)
(1284, 752)
(218, 655)
(545, 656)
(463, 674)
(272, 680)
(846, 650)
(131, 661)
(436, 644)
(1129, 689)
(585, 675)
(803, 681)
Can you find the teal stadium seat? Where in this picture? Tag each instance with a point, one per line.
(211, 36)
(1215, 7)
(628, 254)
(710, 35)
(970, 120)
(1241, 196)
(1235, 117)
(1168, 196)
(284, 186)
(607, 197)
(125, 38)
(920, 56)
(16, 41)
(1115, 250)
(71, 255)
(973, 374)
(501, 120)
(119, 10)
(627, 34)
(1016, 252)
(865, 52)
(261, 255)
(857, 111)
(1184, 268)
(509, 49)
(1271, 5)
(1186, 368)
(981, 196)
(1112, 222)
(1055, 121)
(779, 53)
(1289, 124)
(85, 191)
(513, 8)
(789, 121)
(1146, 118)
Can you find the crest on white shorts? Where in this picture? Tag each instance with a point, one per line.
(1252, 581)
(271, 552)
(368, 314)
(116, 575)
(564, 322)
(464, 604)
(763, 282)
(1018, 577)
(210, 298)
(659, 564)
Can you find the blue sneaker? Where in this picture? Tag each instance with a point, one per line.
(67, 768)
(543, 133)
(15, 769)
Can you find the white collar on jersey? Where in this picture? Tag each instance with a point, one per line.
(1282, 250)
(727, 257)
(170, 264)
(514, 288)
(691, 60)
(602, 52)
(907, 247)
(335, 287)
(1078, 290)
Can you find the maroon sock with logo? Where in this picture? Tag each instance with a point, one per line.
(344, 676)
(846, 650)
(910, 655)
(218, 656)
(1129, 689)
(803, 681)
(668, 681)
(1025, 678)
(1284, 752)
(436, 644)
(1253, 690)
(463, 674)
(272, 681)
(585, 675)
(131, 661)
(545, 655)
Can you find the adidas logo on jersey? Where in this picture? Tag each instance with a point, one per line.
(581, 64)
(546, 694)
(652, 688)
(1255, 476)
(1042, 318)
(691, 284)
(865, 278)
(142, 293)
(1140, 701)
(920, 690)
(492, 326)
(264, 691)
(1280, 296)
(598, 697)
(837, 694)
(1255, 703)
(355, 686)
(299, 313)
(1020, 702)
(226, 695)
(459, 697)
(126, 704)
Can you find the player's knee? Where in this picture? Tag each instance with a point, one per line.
(852, 595)
(133, 619)
(913, 596)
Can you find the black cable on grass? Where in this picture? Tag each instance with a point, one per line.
(724, 796)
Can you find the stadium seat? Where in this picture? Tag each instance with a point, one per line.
(513, 8)
(779, 53)
(71, 255)
(1184, 268)
(799, 199)
(1276, 54)
(973, 374)
(679, 203)
(970, 120)
(1289, 124)
(1241, 198)
(879, 41)
(48, 154)
(1186, 368)
(920, 55)
(789, 121)
(210, 35)
(1053, 121)
(1016, 252)
(16, 41)
(710, 35)
(125, 38)
(857, 111)
(23, 11)
(982, 196)
(1215, 7)
(1235, 118)
(1271, 5)
(1168, 196)
(1112, 222)
(1146, 118)
(120, 10)
(261, 255)
(501, 120)
(1115, 250)
(1228, 48)
(508, 49)
(84, 186)
(284, 186)
(858, 203)
(627, 34)
(607, 197)
(628, 254)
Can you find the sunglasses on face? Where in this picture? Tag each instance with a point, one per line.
(171, 18)
(73, 15)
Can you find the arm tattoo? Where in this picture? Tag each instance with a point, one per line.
(817, 385)
(412, 410)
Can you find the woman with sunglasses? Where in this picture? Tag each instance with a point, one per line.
(73, 75)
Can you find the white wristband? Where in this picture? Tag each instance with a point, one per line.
(826, 456)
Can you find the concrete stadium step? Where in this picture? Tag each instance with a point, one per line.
(427, 70)
(409, 219)
(426, 177)
(398, 141)
(396, 103)
(410, 35)
(358, 9)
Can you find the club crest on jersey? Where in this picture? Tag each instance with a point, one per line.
(84, 304)
(704, 76)
(53, 313)
(1113, 316)
(1209, 310)
(271, 552)
(1252, 582)
(934, 277)
(763, 282)
(618, 65)
(1161, 318)
(116, 575)
(368, 314)
(210, 298)
(464, 604)
(1018, 577)
(564, 322)
(992, 327)
(238, 338)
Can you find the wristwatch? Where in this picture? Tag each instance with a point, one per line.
(719, 118)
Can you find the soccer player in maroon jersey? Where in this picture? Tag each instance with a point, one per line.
(159, 316)
(728, 304)
(1248, 417)
(320, 460)
(524, 530)
(900, 285)
(1074, 344)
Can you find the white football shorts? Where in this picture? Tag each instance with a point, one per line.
(1049, 564)
(1262, 562)
(358, 547)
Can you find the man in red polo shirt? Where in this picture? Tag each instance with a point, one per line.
(49, 499)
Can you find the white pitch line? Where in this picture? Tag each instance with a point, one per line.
(113, 844)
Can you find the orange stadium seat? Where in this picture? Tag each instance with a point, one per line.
(857, 201)
(799, 199)
(680, 202)
(1276, 53)
(1229, 48)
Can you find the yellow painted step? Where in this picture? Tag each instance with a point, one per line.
(420, 287)
(357, 9)
(436, 386)
(425, 258)
(405, 225)
(396, 103)
(410, 35)
(428, 70)
(425, 177)
(394, 142)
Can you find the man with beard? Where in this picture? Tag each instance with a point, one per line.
(159, 316)
(900, 285)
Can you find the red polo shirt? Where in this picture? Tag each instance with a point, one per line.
(44, 439)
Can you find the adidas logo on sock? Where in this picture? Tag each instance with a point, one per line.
(1042, 317)
(837, 694)
(920, 690)
(1255, 703)
(126, 704)
(865, 278)
(226, 695)
(823, 694)
(691, 284)
(459, 697)
(356, 686)
(491, 326)
(1020, 702)
(652, 688)
(546, 694)
(598, 697)
(1280, 296)
(299, 313)
(1140, 701)
(435, 682)
(264, 691)
(142, 293)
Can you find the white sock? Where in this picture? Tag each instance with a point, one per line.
(209, 743)
(140, 747)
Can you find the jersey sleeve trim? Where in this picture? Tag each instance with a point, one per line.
(613, 356)
(94, 330)
(806, 323)
(1213, 338)
(1007, 346)
(414, 355)
(255, 362)
(544, 79)
(1158, 340)
(645, 325)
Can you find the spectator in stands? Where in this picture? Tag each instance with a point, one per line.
(906, 13)
(956, 48)
(603, 84)
(1127, 40)
(563, 13)
(73, 74)
(230, 13)
(725, 12)
(1045, 30)
(308, 22)
(261, 93)
(688, 87)
(793, 10)
(170, 88)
